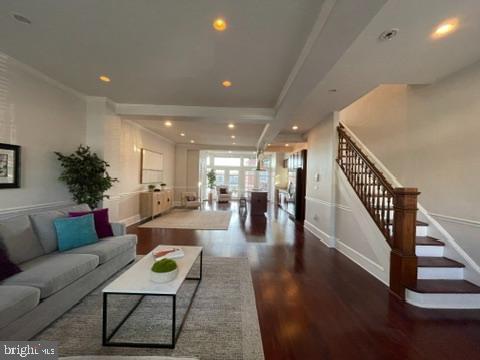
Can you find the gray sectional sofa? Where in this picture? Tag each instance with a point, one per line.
(52, 282)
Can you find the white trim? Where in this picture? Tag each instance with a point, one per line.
(325, 11)
(456, 220)
(326, 203)
(45, 77)
(364, 262)
(123, 195)
(328, 240)
(133, 123)
(261, 115)
(132, 220)
(443, 301)
(28, 208)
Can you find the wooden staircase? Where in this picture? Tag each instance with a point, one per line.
(419, 271)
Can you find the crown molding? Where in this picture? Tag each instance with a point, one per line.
(223, 113)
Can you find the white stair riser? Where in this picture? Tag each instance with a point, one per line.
(437, 273)
(427, 250)
(443, 301)
(421, 230)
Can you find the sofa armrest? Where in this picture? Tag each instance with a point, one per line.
(118, 229)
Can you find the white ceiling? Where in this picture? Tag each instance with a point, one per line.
(412, 57)
(281, 55)
(162, 51)
(202, 131)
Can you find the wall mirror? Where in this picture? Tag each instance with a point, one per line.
(151, 167)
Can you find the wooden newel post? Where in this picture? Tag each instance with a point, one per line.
(403, 262)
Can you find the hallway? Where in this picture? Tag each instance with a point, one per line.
(314, 303)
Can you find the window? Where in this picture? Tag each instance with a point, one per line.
(220, 177)
(249, 162)
(263, 180)
(226, 161)
(233, 182)
(249, 180)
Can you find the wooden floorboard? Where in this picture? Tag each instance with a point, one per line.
(314, 303)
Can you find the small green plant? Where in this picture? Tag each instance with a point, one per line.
(151, 187)
(211, 178)
(164, 265)
(86, 176)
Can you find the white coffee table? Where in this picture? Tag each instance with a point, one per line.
(136, 281)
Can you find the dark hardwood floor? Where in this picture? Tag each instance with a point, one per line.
(314, 303)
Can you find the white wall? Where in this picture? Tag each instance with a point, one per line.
(42, 116)
(333, 211)
(427, 136)
(123, 143)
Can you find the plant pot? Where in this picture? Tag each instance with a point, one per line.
(210, 197)
(163, 277)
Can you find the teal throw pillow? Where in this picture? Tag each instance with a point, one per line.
(73, 232)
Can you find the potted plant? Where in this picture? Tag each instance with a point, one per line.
(164, 270)
(151, 187)
(211, 178)
(163, 186)
(86, 176)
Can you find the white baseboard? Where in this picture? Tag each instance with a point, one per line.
(132, 220)
(328, 240)
(362, 261)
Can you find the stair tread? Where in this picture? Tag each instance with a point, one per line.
(445, 287)
(428, 241)
(433, 261)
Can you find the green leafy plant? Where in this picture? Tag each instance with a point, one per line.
(151, 187)
(211, 178)
(164, 265)
(86, 176)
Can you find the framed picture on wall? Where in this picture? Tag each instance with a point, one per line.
(9, 166)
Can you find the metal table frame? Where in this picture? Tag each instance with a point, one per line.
(106, 339)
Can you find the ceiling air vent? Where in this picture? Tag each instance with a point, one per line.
(388, 35)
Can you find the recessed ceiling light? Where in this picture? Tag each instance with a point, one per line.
(21, 18)
(445, 28)
(269, 144)
(219, 24)
(168, 123)
(229, 151)
(294, 127)
(231, 126)
(287, 145)
(233, 136)
(226, 83)
(388, 34)
(192, 141)
(182, 134)
(104, 78)
(234, 143)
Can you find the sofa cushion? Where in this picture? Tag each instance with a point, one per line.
(75, 232)
(51, 273)
(16, 301)
(7, 267)
(102, 223)
(19, 240)
(75, 208)
(43, 225)
(108, 248)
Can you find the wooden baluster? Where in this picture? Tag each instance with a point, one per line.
(389, 207)
(403, 262)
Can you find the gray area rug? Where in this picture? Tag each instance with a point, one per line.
(221, 324)
(191, 219)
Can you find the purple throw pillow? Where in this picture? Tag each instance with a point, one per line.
(7, 268)
(102, 223)
(223, 191)
(191, 198)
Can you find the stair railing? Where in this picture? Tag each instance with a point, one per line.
(394, 210)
